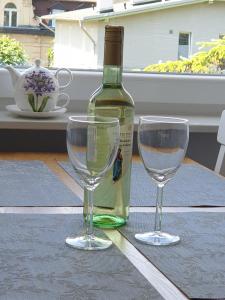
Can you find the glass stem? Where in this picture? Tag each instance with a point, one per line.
(158, 212)
(89, 223)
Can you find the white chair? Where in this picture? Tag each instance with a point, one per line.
(220, 163)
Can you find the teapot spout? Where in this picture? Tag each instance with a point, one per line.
(15, 75)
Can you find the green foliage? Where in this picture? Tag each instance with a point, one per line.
(50, 57)
(11, 51)
(210, 61)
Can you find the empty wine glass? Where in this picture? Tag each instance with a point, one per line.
(162, 144)
(92, 144)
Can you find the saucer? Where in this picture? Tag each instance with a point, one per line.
(31, 114)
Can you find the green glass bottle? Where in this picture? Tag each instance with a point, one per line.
(112, 196)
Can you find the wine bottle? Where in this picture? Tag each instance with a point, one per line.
(112, 196)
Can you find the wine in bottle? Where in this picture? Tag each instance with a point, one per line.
(112, 196)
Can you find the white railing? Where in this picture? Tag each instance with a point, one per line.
(194, 95)
(199, 98)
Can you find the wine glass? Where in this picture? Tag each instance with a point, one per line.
(162, 144)
(92, 144)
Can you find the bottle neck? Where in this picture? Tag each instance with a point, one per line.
(112, 75)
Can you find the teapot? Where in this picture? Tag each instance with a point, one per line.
(37, 89)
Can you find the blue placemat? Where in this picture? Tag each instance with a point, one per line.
(32, 183)
(37, 265)
(193, 185)
(197, 264)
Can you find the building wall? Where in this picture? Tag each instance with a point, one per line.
(73, 48)
(36, 46)
(149, 37)
(24, 12)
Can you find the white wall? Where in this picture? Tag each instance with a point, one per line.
(72, 47)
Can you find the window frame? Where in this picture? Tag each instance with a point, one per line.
(10, 12)
(189, 43)
(54, 11)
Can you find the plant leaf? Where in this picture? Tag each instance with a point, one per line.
(31, 101)
(43, 104)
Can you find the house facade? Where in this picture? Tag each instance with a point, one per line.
(154, 32)
(19, 20)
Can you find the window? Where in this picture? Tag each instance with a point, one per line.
(10, 15)
(150, 45)
(53, 12)
(184, 45)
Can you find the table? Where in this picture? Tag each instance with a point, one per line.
(153, 275)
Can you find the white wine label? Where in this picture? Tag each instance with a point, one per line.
(122, 160)
(116, 186)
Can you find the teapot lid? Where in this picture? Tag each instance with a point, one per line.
(37, 68)
(37, 62)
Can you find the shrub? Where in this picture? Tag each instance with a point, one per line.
(11, 51)
(210, 61)
(50, 57)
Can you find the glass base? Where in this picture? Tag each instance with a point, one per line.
(157, 238)
(88, 243)
(108, 221)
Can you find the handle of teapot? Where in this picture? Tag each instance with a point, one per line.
(70, 77)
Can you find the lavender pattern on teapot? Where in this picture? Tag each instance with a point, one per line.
(38, 86)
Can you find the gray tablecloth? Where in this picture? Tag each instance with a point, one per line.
(36, 264)
(193, 185)
(32, 183)
(197, 264)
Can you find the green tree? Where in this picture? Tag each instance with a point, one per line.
(212, 60)
(11, 51)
